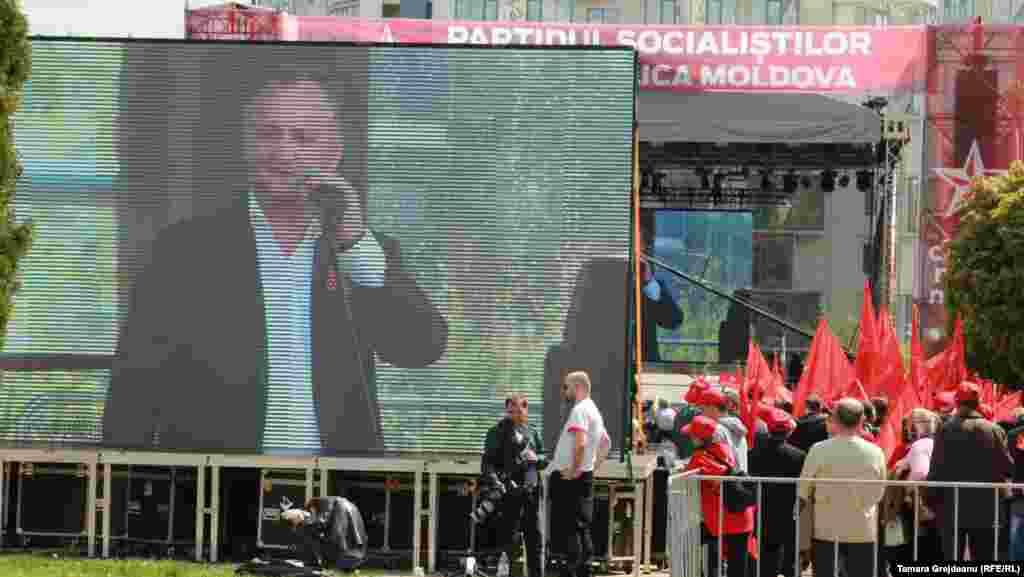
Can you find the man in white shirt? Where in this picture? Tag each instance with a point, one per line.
(582, 448)
(257, 327)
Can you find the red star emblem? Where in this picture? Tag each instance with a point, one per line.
(960, 178)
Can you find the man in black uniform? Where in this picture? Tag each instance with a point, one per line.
(513, 453)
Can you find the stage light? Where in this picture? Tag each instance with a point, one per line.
(828, 180)
(705, 182)
(844, 180)
(864, 180)
(789, 183)
(716, 190)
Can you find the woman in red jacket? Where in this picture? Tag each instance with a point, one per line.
(713, 456)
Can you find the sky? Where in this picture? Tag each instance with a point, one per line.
(110, 18)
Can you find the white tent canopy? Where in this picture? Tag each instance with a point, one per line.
(734, 117)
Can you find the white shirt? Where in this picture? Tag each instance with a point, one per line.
(287, 282)
(587, 418)
(666, 419)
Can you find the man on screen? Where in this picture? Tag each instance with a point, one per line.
(257, 328)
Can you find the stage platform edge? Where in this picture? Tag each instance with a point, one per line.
(623, 484)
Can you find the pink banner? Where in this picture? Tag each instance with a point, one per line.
(235, 22)
(684, 58)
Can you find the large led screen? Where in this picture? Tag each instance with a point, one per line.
(312, 248)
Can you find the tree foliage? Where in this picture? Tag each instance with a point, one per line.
(15, 62)
(984, 280)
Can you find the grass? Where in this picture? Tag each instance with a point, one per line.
(39, 565)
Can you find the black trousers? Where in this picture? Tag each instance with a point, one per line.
(981, 541)
(572, 514)
(521, 512)
(736, 557)
(854, 559)
(779, 558)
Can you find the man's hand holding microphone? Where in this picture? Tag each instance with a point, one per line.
(339, 202)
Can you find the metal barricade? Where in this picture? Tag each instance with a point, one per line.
(684, 532)
(685, 519)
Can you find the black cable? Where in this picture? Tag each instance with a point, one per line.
(708, 286)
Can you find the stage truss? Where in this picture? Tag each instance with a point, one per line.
(632, 482)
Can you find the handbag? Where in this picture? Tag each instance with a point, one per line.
(738, 495)
(894, 534)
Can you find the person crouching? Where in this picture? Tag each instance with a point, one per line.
(714, 456)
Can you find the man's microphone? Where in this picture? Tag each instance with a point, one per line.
(329, 196)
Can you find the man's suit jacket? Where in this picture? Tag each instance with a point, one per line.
(191, 369)
(810, 429)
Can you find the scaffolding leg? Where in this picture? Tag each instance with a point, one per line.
(90, 509)
(200, 510)
(613, 501)
(417, 521)
(107, 504)
(214, 512)
(387, 519)
(173, 492)
(432, 523)
(309, 486)
(3, 502)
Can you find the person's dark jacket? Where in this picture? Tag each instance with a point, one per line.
(810, 429)
(503, 449)
(191, 367)
(1016, 446)
(968, 449)
(774, 456)
(338, 526)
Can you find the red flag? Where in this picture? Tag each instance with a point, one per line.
(758, 381)
(840, 373)
(947, 369)
(827, 373)
(956, 369)
(866, 362)
(918, 374)
(779, 387)
(815, 368)
(1004, 408)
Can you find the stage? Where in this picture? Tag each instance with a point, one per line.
(96, 469)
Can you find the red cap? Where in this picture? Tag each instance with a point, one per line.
(711, 398)
(779, 421)
(700, 427)
(945, 401)
(968, 392)
(987, 412)
(764, 412)
(695, 391)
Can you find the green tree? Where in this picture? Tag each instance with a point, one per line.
(15, 62)
(985, 275)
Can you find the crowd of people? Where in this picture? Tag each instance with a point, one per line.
(864, 524)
